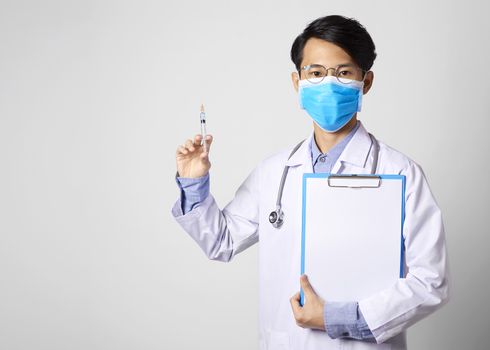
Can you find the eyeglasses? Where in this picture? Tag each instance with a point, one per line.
(344, 73)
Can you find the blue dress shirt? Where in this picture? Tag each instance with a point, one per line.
(342, 319)
(324, 162)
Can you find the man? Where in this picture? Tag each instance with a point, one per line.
(333, 57)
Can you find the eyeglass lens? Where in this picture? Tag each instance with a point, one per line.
(344, 73)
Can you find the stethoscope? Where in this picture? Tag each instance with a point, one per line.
(276, 217)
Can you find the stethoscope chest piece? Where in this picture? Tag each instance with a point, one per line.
(276, 218)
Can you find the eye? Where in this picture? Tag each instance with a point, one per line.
(315, 73)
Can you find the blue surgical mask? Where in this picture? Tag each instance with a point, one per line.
(331, 103)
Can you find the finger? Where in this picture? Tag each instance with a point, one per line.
(181, 150)
(305, 284)
(296, 306)
(190, 145)
(197, 139)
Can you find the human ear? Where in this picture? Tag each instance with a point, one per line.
(295, 79)
(368, 82)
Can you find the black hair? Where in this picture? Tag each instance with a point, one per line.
(345, 32)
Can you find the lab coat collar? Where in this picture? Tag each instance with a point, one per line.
(303, 155)
(356, 152)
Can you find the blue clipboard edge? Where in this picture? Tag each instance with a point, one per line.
(303, 218)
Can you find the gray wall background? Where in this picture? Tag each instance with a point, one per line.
(95, 96)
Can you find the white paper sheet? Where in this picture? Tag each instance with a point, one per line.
(352, 236)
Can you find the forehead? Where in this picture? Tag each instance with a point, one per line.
(325, 53)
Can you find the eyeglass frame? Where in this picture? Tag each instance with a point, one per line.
(363, 71)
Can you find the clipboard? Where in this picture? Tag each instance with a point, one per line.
(352, 242)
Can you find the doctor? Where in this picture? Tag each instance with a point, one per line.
(333, 57)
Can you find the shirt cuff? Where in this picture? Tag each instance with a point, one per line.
(345, 320)
(193, 191)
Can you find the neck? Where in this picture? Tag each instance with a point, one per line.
(326, 140)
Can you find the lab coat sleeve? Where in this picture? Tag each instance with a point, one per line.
(222, 234)
(425, 287)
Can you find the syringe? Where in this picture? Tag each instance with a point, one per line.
(203, 128)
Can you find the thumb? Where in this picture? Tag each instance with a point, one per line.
(305, 284)
(205, 154)
(209, 141)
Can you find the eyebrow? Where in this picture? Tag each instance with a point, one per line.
(346, 65)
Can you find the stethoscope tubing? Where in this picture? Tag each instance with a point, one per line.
(276, 217)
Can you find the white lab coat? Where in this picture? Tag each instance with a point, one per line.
(244, 221)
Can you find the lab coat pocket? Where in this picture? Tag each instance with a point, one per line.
(278, 340)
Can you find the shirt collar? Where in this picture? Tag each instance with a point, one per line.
(355, 152)
(336, 150)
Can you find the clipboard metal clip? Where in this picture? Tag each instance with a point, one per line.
(354, 181)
